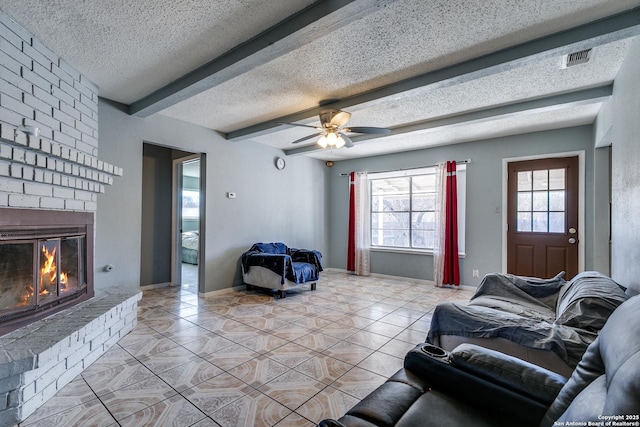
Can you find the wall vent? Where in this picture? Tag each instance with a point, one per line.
(576, 58)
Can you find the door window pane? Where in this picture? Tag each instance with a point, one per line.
(556, 179)
(540, 222)
(556, 201)
(524, 181)
(524, 221)
(540, 201)
(541, 180)
(524, 201)
(556, 222)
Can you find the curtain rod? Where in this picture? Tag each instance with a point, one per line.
(416, 167)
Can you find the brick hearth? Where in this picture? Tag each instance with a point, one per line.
(39, 359)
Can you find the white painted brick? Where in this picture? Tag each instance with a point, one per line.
(24, 201)
(46, 119)
(46, 74)
(30, 158)
(41, 160)
(6, 152)
(51, 163)
(15, 28)
(18, 154)
(63, 193)
(70, 374)
(90, 121)
(34, 78)
(4, 169)
(27, 173)
(11, 186)
(73, 205)
(37, 189)
(63, 138)
(61, 95)
(16, 106)
(86, 138)
(4, 199)
(46, 97)
(78, 353)
(15, 171)
(36, 103)
(56, 179)
(38, 176)
(59, 165)
(51, 203)
(45, 146)
(85, 148)
(83, 195)
(7, 87)
(60, 73)
(33, 142)
(14, 77)
(67, 168)
(32, 53)
(69, 69)
(71, 91)
(10, 36)
(48, 177)
(37, 44)
(55, 149)
(11, 117)
(83, 128)
(63, 117)
(16, 54)
(83, 108)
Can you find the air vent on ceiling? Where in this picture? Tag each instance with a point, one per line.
(576, 58)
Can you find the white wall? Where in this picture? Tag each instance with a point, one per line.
(619, 123)
(271, 205)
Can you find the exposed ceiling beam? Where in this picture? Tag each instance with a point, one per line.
(325, 15)
(596, 33)
(549, 103)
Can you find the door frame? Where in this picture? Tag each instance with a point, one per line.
(176, 223)
(581, 199)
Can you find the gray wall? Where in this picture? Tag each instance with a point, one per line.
(484, 199)
(155, 251)
(271, 205)
(618, 123)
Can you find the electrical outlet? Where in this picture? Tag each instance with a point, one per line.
(476, 272)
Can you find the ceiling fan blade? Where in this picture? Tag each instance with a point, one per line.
(367, 130)
(340, 119)
(348, 143)
(298, 124)
(307, 137)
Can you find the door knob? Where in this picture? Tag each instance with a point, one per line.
(572, 240)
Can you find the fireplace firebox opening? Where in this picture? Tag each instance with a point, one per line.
(46, 263)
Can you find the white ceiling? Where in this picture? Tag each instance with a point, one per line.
(361, 55)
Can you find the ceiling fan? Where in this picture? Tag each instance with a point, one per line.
(333, 129)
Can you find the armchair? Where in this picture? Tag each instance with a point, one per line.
(276, 266)
(475, 386)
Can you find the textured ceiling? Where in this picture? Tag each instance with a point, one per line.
(134, 49)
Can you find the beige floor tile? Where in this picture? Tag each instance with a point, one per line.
(136, 397)
(317, 341)
(190, 374)
(397, 348)
(258, 371)
(323, 368)
(291, 354)
(92, 413)
(368, 339)
(169, 359)
(208, 343)
(252, 410)
(175, 411)
(76, 393)
(295, 420)
(117, 377)
(329, 403)
(359, 382)
(348, 352)
(292, 389)
(382, 364)
(216, 393)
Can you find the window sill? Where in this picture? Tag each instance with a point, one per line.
(408, 251)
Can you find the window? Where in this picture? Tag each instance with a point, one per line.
(403, 209)
(540, 202)
(190, 204)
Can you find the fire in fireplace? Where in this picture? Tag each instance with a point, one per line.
(45, 263)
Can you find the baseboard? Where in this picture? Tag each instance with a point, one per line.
(400, 278)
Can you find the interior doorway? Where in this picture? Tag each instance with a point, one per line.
(188, 201)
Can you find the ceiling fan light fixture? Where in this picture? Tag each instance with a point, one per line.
(332, 139)
(340, 142)
(322, 141)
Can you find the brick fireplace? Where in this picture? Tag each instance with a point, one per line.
(53, 323)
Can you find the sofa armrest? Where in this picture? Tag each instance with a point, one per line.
(330, 423)
(304, 255)
(508, 371)
(440, 373)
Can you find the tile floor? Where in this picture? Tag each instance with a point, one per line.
(247, 359)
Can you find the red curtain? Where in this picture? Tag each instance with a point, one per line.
(451, 270)
(351, 244)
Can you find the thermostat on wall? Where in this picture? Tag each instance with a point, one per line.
(231, 195)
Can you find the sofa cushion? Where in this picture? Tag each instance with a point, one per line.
(587, 301)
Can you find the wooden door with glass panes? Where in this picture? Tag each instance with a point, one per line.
(542, 216)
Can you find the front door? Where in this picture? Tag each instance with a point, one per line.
(542, 215)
